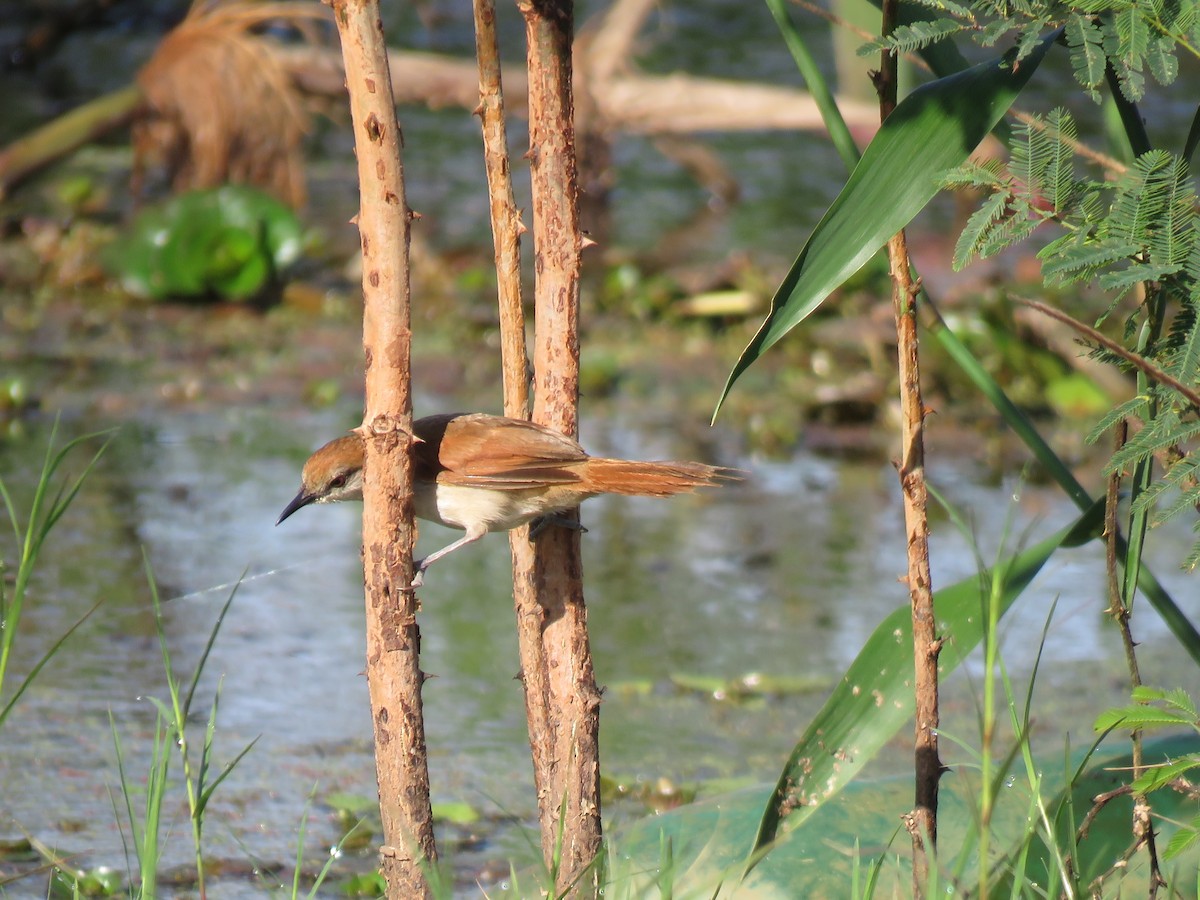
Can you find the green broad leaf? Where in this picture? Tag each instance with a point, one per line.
(230, 250)
(860, 829)
(353, 804)
(241, 265)
(1076, 396)
(749, 686)
(255, 212)
(935, 128)
(455, 813)
(369, 884)
(874, 698)
(232, 243)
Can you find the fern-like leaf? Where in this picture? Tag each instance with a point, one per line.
(1192, 559)
(1133, 407)
(1139, 718)
(1163, 432)
(1182, 839)
(914, 37)
(986, 174)
(1177, 477)
(1085, 42)
(1080, 262)
(1042, 162)
(993, 31)
(1141, 198)
(1186, 500)
(1161, 61)
(1126, 41)
(981, 223)
(1175, 238)
(1156, 777)
(1185, 335)
(1176, 698)
(947, 6)
(1058, 178)
(1012, 230)
(1121, 280)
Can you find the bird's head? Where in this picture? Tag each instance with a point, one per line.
(332, 473)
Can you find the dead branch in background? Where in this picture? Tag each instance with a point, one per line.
(61, 137)
(565, 686)
(620, 98)
(394, 674)
(219, 105)
(1139, 362)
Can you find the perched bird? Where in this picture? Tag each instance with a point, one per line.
(486, 473)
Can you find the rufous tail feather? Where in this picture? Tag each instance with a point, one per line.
(652, 479)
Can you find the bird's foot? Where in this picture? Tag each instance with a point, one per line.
(418, 578)
(541, 523)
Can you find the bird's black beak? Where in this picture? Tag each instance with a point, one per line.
(300, 500)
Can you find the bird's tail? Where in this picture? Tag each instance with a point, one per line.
(652, 479)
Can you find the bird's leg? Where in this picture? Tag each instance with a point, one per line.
(541, 523)
(421, 565)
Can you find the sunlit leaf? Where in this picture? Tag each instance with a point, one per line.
(874, 699)
(934, 129)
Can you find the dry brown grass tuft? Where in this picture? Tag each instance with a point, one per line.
(219, 105)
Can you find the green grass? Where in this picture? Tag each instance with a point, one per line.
(52, 496)
(171, 739)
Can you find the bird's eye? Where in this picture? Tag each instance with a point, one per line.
(338, 481)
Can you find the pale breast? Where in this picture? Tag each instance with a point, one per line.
(489, 509)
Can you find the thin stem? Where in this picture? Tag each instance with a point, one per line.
(922, 822)
(563, 684)
(506, 218)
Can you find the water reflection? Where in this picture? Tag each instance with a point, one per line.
(787, 574)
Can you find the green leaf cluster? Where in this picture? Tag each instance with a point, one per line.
(1156, 708)
(1140, 228)
(232, 242)
(1134, 235)
(1132, 37)
(1139, 232)
(1038, 186)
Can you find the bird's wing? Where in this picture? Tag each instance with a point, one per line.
(497, 452)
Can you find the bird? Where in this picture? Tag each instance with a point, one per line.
(482, 473)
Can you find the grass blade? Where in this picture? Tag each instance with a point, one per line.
(41, 663)
(817, 85)
(212, 639)
(871, 702)
(1176, 620)
(934, 129)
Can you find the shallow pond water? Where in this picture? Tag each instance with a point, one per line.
(784, 575)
